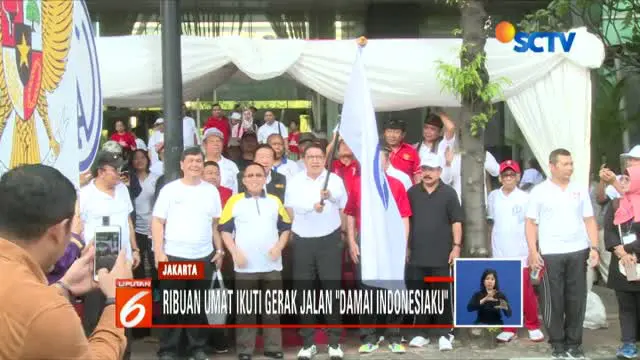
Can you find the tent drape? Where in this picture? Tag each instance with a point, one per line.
(402, 75)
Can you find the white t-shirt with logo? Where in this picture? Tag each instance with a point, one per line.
(560, 216)
(96, 204)
(188, 211)
(508, 238)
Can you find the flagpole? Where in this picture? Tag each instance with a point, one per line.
(362, 42)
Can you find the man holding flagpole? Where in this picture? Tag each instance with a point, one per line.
(382, 254)
(354, 212)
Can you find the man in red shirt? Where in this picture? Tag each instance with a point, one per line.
(212, 176)
(403, 156)
(220, 122)
(353, 212)
(345, 166)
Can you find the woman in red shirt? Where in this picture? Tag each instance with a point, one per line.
(123, 136)
(293, 139)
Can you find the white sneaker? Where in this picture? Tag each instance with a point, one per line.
(536, 335)
(404, 340)
(505, 336)
(307, 353)
(445, 343)
(335, 353)
(418, 341)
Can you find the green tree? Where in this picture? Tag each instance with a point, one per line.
(33, 13)
(470, 82)
(617, 24)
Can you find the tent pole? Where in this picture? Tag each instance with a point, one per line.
(172, 88)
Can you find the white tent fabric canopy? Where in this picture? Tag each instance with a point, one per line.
(548, 93)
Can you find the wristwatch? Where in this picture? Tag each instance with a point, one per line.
(221, 252)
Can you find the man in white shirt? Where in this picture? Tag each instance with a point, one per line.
(562, 231)
(506, 213)
(261, 226)
(317, 248)
(189, 130)
(156, 140)
(272, 126)
(282, 165)
(213, 142)
(184, 227)
(106, 197)
(438, 134)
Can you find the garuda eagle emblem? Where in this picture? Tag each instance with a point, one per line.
(35, 37)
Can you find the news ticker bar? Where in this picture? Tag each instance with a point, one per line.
(135, 306)
(194, 270)
(302, 326)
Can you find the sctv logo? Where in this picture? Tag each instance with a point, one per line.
(537, 42)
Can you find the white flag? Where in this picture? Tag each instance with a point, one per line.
(382, 234)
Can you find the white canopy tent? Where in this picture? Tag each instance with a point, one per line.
(549, 93)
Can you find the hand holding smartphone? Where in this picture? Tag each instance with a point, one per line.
(108, 245)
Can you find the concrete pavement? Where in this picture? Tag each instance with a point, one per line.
(598, 344)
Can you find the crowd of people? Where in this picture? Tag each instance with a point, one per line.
(271, 207)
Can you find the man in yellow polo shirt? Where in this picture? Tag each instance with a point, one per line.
(261, 225)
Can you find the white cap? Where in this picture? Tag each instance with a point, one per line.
(633, 153)
(236, 116)
(431, 161)
(213, 132)
(159, 121)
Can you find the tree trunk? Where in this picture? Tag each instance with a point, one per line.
(476, 240)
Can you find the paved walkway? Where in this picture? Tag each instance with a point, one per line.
(598, 344)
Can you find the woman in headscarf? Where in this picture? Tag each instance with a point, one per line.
(621, 226)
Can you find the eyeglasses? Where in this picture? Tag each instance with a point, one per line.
(315, 157)
(508, 175)
(251, 176)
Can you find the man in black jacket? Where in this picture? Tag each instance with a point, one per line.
(276, 182)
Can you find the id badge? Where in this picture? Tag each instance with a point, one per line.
(628, 238)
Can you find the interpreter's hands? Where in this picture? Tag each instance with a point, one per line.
(239, 259)
(318, 207)
(503, 305)
(454, 254)
(325, 194)
(489, 297)
(594, 258)
(79, 278)
(354, 252)
(136, 259)
(275, 253)
(535, 261)
(121, 270)
(217, 260)
(160, 256)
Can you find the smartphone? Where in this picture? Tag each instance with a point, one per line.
(107, 239)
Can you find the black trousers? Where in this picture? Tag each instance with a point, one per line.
(564, 297)
(319, 257)
(629, 314)
(415, 281)
(94, 303)
(370, 335)
(170, 339)
(146, 269)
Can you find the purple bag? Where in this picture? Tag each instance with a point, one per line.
(71, 253)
